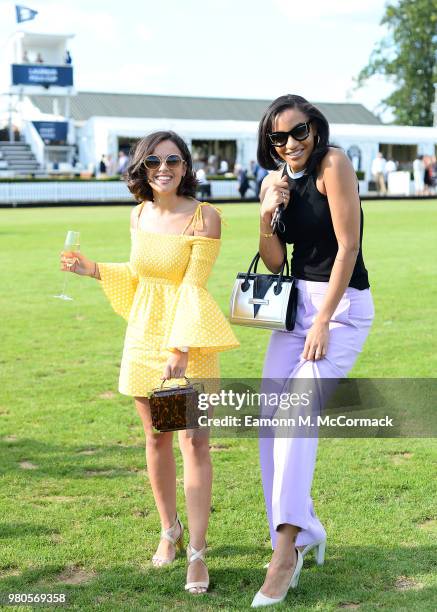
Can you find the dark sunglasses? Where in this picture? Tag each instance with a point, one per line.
(300, 132)
(153, 162)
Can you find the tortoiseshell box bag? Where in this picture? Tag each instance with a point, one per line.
(175, 408)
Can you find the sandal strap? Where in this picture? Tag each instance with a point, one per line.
(167, 534)
(194, 554)
(163, 560)
(194, 585)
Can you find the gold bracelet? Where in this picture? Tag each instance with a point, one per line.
(266, 235)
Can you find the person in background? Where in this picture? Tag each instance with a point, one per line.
(75, 156)
(39, 59)
(428, 175)
(203, 186)
(419, 175)
(123, 162)
(102, 166)
(390, 166)
(25, 57)
(212, 164)
(259, 173)
(378, 172)
(224, 167)
(434, 173)
(251, 173)
(243, 181)
(111, 165)
(68, 59)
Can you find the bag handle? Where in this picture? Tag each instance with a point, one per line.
(165, 379)
(256, 259)
(254, 264)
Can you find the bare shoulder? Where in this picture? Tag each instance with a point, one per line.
(271, 178)
(211, 222)
(134, 215)
(337, 160)
(338, 177)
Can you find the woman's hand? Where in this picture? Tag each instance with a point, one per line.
(316, 343)
(276, 194)
(176, 365)
(74, 261)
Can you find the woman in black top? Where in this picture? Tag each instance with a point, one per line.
(323, 221)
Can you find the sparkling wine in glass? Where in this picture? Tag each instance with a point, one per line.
(72, 243)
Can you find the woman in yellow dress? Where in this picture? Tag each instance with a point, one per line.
(174, 327)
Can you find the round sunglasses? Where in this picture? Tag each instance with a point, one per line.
(300, 132)
(153, 162)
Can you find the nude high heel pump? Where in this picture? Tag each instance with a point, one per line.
(261, 600)
(319, 549)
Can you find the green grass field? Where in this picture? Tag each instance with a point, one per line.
(76, 512)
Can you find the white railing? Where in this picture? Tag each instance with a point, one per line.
(53, 192)
(87, 191)
(63, 191)
(224, 189)
(34, 140)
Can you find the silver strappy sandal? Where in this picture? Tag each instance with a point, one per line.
(200, 587)
(178, 543)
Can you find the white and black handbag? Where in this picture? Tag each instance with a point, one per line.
(267, 301)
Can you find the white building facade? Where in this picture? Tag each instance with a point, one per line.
(105, 123)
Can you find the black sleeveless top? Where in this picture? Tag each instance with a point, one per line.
(308, 226)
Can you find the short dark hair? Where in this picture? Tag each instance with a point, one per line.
(266, 153)
(136, 173)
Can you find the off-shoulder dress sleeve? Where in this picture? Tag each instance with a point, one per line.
(119, 283)
(195, 319)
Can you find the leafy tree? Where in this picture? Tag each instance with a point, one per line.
(408, 58)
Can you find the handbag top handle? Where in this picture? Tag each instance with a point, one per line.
(256, 259)
(165, 380)
(254, 264)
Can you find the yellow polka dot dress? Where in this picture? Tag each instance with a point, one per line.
(162, 294)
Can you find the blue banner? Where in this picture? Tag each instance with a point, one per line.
(52, 132)
(24, 13)
(42, 74)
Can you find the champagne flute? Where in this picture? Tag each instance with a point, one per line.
(72, 243)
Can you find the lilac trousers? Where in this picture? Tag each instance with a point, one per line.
(287, 463)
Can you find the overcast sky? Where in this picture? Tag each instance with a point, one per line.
(225, 48)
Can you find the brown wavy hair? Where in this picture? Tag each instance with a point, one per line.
(136, 173)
